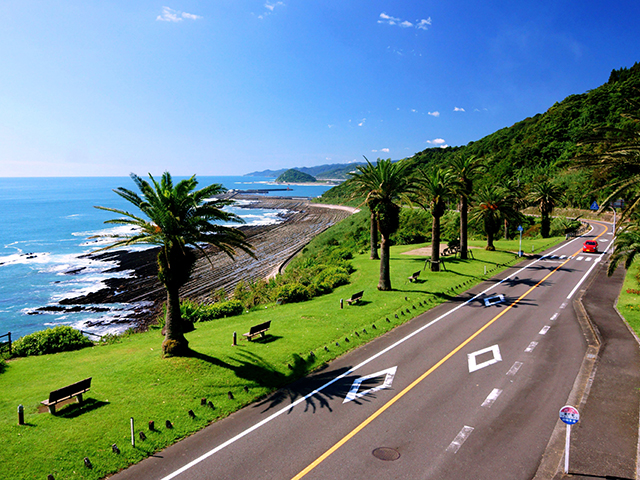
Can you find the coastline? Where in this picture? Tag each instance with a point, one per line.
(274, 245)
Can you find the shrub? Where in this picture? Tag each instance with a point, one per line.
(195, 312)
(51, 340)
(293, 292)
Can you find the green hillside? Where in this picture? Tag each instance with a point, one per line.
(294, 176)
(548, 143)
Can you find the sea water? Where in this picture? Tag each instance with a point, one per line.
(46, 225)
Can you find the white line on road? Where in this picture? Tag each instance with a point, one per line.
(288, 408)
(460, 439)
(492, 397)
(531, 346)
(553, 317)
(544, 330)
(495, 358)
(514, 368)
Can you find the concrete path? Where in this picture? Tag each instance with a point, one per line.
(604, 444)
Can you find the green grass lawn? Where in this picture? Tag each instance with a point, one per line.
(629, 301)
(130, 379)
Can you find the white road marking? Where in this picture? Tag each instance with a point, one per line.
(583, 278)
(531, 346)
(563, 256)
(514, 368)
(588, 259)
(389, 373)
(287, 408)
(492, 397)
(579, 258)
(460, 439)
(544, 330)
(553, 317)
(564, 305)
(471, 358)
(605, 239)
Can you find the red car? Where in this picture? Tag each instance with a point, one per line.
(590, 246)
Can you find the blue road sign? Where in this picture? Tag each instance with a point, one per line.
(520, 229)
(594, 206)
(569, 415)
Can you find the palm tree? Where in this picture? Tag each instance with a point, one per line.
(383, 185)
(546, 195)
(493, 205)
(626, 247)
(180, 221)
(364, 190)
(615, 157)
(466, 169)
(435, 188)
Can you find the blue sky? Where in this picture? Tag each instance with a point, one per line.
(226, 87)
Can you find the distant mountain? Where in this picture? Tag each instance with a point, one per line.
(321, 172)
(295, 176)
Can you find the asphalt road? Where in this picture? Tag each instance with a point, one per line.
(466, 390)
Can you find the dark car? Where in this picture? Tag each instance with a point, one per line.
(590, 246)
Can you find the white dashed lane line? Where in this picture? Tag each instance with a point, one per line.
(514, 368)
(492, 397)
(544, 330)
(530, 348)
(460, 439)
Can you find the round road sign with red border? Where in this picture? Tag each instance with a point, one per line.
(569, 415)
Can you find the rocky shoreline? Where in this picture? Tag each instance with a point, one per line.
(274, 245)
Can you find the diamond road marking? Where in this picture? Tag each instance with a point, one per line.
(388, 380)
(473, 366)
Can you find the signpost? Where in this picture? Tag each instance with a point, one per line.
(520, 229)
(570, 416)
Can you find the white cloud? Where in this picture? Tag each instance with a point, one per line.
(458, 109)
(438, 142)
(414, 110)
(362, 122)
(434, 114)
(271, 6)
(422, 24)
(171, 15)
(385, 150)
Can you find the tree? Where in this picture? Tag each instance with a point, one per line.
(383, 186)
(546, 195)
(492, 205)
(180, 222)
(626, 247)
(465, 168)
(365, 183)
(435, 188)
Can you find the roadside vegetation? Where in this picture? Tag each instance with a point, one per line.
(132, 379)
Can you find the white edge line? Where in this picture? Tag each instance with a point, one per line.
(349, 372)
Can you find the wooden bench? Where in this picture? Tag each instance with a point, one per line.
(65, 393)
(258, 330)
(415, 276)
(355, 298)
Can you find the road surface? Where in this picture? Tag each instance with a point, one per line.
(470, 389)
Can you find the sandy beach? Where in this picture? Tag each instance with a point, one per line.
(274, 246)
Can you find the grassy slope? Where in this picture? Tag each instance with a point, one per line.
(629, 302)
(131, 380)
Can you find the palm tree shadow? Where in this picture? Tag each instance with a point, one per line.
(289, 387)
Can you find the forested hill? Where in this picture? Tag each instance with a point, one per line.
(546, 144)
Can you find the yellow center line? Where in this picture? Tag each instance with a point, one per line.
(385, 407)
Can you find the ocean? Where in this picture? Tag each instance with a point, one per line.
(45, 230)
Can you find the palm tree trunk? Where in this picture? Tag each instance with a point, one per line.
(374, 237)
(490, 245)
(464, 222)
(435, 244)
(545, 224)
(174, 342)
(384, 283)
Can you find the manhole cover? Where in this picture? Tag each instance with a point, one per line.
(386, 453)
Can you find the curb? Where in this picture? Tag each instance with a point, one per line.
(551, 463)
